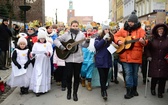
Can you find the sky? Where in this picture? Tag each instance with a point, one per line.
(99, 9)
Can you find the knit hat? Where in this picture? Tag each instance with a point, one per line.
(133, 17)
(88, 26)
(22, 39)
(22, 35)
(105, 27)
(41, 34)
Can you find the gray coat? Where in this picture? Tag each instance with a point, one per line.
(76, 57)
(157, 48)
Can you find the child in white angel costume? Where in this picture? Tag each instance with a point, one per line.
(41, 75)
(21, 67)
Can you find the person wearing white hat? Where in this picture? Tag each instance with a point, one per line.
(21, 67)
(41, 76)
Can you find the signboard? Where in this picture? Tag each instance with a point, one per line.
(159, 5)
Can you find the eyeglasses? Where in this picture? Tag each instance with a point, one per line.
(29, 29)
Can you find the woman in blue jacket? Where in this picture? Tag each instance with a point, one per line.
(103, 58)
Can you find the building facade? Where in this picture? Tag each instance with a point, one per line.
(37, 11)
(71, 16)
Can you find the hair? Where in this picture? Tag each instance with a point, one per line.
(74, 21)
(111, 35)
(47, 27)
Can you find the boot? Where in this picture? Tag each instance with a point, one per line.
(104, 94)
(83, 82)
(75, 97)
(26, 90)
(153, 92)
(135, 93)
(22, 91)
(89, 87)
(75, 90)
(69, 94)
(129, 93)
(160, 95)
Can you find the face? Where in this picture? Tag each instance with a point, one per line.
(89, 31)
(6, 23)
(50, 29)
(131, 24)
(148, 28)
(106, 31)
(30, 31)
(22, 45)
(42, 40)
(75, 26)
(160, 31)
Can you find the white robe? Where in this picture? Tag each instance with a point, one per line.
(20, 77)
(41, 76)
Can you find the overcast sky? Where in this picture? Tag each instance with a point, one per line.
(99, 9)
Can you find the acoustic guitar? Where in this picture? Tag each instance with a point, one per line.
(127, 43)
(71, 47)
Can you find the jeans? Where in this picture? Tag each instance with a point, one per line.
(131, 74)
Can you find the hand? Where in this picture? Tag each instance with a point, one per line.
(120, 42)
(19, 66)
(25, 66)
(149, 58)
(106, 36)
(32, 55)
(142, 40)
(47, 54)
(55, 65)
(62, 47)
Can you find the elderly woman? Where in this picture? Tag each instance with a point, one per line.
(157, 49)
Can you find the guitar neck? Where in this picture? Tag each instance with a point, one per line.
(132, 41)
(77, 42)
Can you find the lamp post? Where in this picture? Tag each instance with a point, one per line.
(56, 17)
(25, 8)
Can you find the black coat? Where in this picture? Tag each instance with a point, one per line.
(5, 35)
(157, 48)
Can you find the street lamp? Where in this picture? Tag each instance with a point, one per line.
(56, 17)
(25, 8)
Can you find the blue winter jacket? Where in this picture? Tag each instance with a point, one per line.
(103, 58)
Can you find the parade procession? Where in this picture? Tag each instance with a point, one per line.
(85, 59)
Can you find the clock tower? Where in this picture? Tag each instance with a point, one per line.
(70, 12)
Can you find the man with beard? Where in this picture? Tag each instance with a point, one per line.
(131, 57)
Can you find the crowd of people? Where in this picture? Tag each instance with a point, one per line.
(52, 52)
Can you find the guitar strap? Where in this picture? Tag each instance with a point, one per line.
(72, 37)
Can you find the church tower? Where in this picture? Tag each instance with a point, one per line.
(70, 11)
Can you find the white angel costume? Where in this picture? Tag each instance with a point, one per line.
(41, 76)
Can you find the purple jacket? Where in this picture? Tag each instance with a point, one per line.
(103, 58)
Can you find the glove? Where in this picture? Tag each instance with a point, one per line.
(62, 47)
(149, 58)
(55, 65)
(26, 65)
(19, 66)
(106, 36)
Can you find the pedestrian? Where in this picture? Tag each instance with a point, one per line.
(131, 57)
(41, 75)
(103, 58)
(60, 74)
(75, 59)
(88, 63)
(21, 67)
(144, 58)
(5, 35)
(157, 49)
(51, 36)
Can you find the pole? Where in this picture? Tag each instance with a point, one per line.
(25, 17)
(56, 17)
